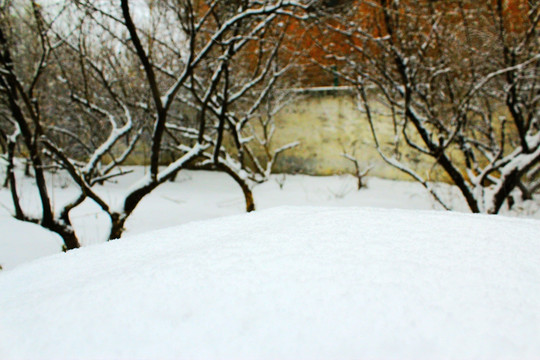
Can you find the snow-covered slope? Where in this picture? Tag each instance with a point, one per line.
(287, 283)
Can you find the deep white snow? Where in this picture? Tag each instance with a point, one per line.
(287, 283)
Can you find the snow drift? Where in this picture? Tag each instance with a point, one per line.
(287, 283)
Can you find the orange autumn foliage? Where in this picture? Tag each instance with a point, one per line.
(318, 46)
(324, 48)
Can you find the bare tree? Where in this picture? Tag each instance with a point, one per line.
(19, 90)
(42, 104)
(216, 33)
(245, 93)
(360, 171)
(460, 82)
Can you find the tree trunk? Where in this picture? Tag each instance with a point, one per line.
(117, 226)
(246, 190)
(70, 241)
(12, 182)
(67, 234)
(248, 196)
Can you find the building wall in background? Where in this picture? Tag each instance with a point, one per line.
(328, 123)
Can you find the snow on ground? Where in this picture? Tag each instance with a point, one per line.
(198, 196)
(286, 283)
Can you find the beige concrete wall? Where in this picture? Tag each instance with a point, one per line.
(327, 123)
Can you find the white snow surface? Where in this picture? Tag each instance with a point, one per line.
(287, 283)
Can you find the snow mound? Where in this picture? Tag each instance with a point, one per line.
(287, 283)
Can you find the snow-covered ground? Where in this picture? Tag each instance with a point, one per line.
(203, 195)
(286, 283)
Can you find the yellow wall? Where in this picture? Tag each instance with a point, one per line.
(326, 124)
